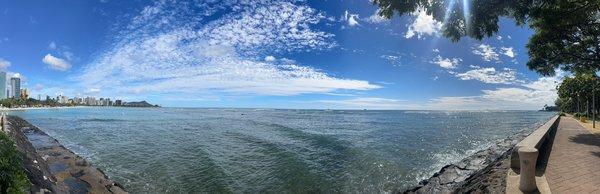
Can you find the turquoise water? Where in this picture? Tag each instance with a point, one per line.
(187, 150)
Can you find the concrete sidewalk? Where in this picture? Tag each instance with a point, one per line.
(574, 162)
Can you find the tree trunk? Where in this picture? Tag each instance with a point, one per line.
(578, 104)
(4, 188)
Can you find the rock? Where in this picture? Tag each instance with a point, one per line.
(482, 172)
(78, 174)
(81, 162)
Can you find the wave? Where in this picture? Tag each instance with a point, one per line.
(101, 120)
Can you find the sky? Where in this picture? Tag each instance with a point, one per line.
(335, 54)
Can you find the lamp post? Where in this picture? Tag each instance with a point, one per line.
(594, 100)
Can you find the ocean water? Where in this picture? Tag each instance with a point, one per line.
(193, 150)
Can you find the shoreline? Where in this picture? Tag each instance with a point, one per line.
(51, 167)
(483, 172)
(64, 107)
(37, 108)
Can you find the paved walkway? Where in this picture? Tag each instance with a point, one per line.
(574, 162)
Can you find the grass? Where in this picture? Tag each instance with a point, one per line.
(12, 175)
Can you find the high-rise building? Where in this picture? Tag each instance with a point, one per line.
(3, 92)
(15, 85)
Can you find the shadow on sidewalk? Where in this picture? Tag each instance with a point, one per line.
(587, 139)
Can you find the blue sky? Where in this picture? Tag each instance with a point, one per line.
(263, 54)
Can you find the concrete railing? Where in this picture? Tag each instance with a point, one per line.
(525, 154)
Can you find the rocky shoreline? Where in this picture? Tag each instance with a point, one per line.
(51, 167)
(482, 172)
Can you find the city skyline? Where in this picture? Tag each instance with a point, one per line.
(329, 55)
(16, 92)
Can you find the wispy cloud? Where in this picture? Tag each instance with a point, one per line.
(52, 45)
(376, 18)
(368, 103)
(530, 95)
(486, 52)
(218, 56)
(490, 75)
(4, 64)
(278, 26)
(392, 59)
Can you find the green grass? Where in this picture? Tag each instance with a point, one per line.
(12, 174)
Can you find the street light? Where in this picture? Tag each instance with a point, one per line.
(594, 100)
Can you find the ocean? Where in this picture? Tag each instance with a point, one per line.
(195, 150)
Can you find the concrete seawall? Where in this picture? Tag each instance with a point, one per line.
(51, 167)
(482, 172)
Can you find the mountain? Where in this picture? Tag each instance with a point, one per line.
(139, 104)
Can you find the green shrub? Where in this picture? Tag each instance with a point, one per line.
(12, 175)
(562, 114)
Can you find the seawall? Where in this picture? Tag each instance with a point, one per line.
(482, 172)
(51, 167)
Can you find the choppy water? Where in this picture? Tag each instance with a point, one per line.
(175, 150)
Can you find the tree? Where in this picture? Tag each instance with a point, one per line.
(567, 32)
(575, 93)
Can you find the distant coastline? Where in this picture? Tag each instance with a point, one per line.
(19, 104)
(65, 107)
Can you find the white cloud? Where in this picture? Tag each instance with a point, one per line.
(531, 95)
(447, 63)
(376, 18)
(276, 26)
(68, 55)
(368, 103)
(490, 75)
(62, 50)
(56, 63)
(497, 99)
(508, 51)
(499, 37)
(351, 19)
(269, 58)
(392, 59)
(486, 52)
(423, 25)
(4, 64)
(455, 103)
(183, 57)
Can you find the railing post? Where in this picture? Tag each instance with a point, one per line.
(528, 157)
(514, 158)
